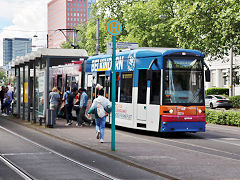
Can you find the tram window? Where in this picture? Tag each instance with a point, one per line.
(75, 81)
(155, 88)
(117, 85)
(68, 81)
(126, 87)
(142, 86)
(59, 82)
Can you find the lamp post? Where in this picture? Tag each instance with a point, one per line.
(231, 72)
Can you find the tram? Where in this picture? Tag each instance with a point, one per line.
(68, 75)
(157, 89)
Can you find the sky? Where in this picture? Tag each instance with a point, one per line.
(24, 19)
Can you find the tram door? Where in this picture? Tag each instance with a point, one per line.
(142, 97)
(148, 103)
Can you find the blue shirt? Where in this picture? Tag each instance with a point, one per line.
(54, 98)
(83, 100)
(65, 95)
(9, 94)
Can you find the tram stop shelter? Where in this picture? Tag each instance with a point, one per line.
(32, 80)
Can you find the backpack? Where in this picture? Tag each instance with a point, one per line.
(70, 98)
(100, 111)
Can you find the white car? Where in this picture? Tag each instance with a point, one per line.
(217, 101)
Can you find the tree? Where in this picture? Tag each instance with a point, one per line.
(211, 26)
(145, 25)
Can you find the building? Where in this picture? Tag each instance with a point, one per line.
(13, 47)
(65, 14)
(220, 74)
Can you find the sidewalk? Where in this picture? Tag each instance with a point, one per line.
(129, 149)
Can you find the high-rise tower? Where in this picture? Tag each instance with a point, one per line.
(13, 47)
(65, 14)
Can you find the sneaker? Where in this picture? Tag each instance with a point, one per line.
(90, 124)
(98, 134)
(78, 125)
(101, 141)
(68, 124)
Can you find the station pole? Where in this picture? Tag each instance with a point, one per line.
(113, 91)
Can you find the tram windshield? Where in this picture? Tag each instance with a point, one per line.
(183, 81)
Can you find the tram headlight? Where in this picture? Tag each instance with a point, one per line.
(200, 111)
(171, 111)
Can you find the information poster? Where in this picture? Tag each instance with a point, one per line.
(41, 94)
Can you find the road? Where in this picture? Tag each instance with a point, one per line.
(31, 155)
(214, 154)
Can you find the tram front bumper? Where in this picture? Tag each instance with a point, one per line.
(183, 123)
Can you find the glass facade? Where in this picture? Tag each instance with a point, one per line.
(13, 47)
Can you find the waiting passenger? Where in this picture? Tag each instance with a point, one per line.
(54, 97)
(68, 98)
(7, 100)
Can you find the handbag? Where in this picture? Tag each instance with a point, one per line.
(76, 107)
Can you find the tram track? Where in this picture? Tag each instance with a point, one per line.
(16, 168)
(27, 176)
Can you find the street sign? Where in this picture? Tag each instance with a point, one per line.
(114, 27)
(121, 45)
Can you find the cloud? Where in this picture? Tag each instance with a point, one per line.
(28, 18)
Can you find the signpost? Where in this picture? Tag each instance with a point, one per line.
(121, 45)
(114, 28)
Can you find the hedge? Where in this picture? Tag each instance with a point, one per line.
(217, 91)
(230, 118)
(235, 101)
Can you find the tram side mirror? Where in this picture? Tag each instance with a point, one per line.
(149, 74)
(207, 75)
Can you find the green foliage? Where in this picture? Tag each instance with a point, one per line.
(235, 101)
(66, 45)
(229, 118)
(217, 91)
(209, 26)
(2, 76)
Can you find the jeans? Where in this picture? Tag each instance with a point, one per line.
(68, 109)
(81, 118)
(7, 105)
(100, 126)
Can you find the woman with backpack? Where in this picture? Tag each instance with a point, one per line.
(100, 107)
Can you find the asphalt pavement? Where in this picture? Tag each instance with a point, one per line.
(214, 154)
